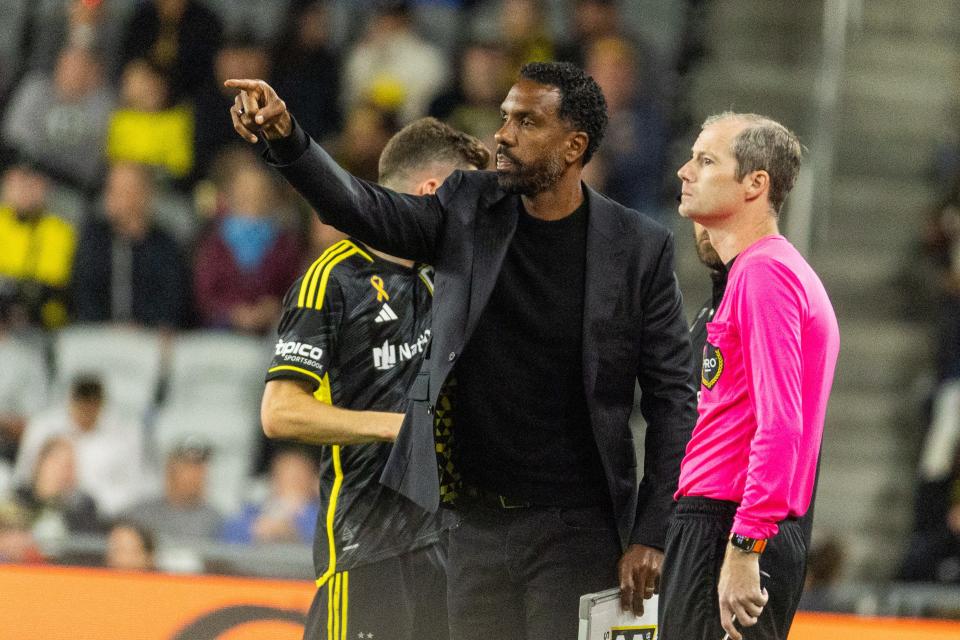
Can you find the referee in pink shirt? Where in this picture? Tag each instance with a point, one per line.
(768, 364)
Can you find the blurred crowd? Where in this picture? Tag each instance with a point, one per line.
(126, 196)
(127, 200)
(933, 551)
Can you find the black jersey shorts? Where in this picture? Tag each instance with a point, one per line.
(696, 542)
(400, 598)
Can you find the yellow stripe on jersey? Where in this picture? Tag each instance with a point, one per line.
(323, 393)
(314, 283)
(306, 277)
(328, 267)
(309, 283)
(331, 511)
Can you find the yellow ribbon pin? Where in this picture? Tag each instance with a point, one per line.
(377, 283)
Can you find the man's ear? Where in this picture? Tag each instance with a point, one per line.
(428, 186)
(576, 146)
(757, 184)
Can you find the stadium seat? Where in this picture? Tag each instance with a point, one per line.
(216, 368)
(126, 358)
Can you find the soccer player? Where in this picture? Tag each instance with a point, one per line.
(353, 332)
(749, 471)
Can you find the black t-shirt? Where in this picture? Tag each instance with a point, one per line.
(356, 327)
(522, 425)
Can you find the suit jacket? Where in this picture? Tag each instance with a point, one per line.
(633, 323)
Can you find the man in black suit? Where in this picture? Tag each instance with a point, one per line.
(550, 302)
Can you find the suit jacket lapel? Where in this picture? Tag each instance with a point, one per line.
(606, 253)
(492, 233)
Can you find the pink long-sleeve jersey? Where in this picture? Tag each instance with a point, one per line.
(767, 370)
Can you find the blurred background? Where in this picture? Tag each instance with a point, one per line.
(144, 250)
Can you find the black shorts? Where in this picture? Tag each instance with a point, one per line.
(696, 543)
(401, 598)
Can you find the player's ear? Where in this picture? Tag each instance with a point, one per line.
(428, 187)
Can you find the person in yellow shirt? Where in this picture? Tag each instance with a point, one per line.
(36, 251)
(147, 129)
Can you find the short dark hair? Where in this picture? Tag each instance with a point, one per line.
(87, 386)
(581, 101)
(426, 141)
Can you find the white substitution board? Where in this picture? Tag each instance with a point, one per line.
(602, 619)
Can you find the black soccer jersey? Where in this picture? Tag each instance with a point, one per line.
(356, 327)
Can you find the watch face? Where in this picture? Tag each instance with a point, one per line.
(747, 544)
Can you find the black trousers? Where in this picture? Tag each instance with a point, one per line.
(696, 542)
(518, 574)
(401, 598)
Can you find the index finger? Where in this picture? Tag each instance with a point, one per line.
(244, 83)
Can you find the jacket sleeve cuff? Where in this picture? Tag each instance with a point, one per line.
(284, 151)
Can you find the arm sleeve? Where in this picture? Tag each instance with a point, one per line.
(770, 315)
(668, 400)
(308, 335)
(402, 225)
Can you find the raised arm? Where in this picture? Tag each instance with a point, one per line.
(402, 225)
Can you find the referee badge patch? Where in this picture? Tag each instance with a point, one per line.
(712, 367)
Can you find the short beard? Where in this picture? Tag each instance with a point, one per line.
(707, 254)
(530, 180)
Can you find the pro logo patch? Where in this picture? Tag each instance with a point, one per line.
(712, 367)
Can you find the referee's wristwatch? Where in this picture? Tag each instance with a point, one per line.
(748, 545)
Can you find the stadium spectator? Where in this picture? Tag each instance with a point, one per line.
(182, 510)
(53, 499)
(393, 67)
(246, 261)
(523, 27)
(240, 56)
(73, 23)
(17, 544)
(936, 281)
(472, 104)
(933, 554)
(23, 386)
(365, 134)
(179, 37)
(591, 20)
(307, 70)
(38, 252)
(130, 547)
(629, 168)
(824, 566)
(148, 128)
(289, 512)
(109, 450)
(59, 120)
(127, 269)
